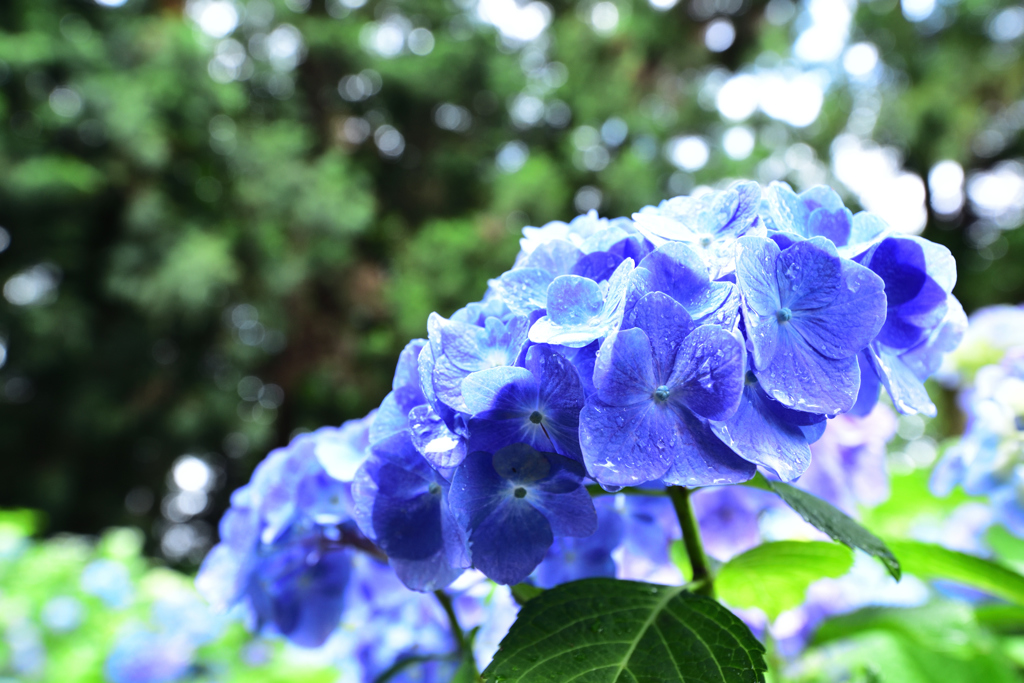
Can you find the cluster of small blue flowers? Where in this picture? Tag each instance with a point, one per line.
(164, 649)
(702, 339)
(286, 543)
(988, 460)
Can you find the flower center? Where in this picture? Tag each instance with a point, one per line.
(750, 378)
(520, 492)
(783, 315)
(434, 489)
(536, 417)
(661, 393)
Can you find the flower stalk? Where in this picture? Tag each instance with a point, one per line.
(701, 578)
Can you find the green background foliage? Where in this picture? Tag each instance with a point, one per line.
(213, 236)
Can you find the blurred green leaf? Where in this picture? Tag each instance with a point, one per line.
(832, 521)
(929, 561)
(775, 576)
(52, 175)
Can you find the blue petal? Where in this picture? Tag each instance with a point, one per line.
(865, 230)
(870, 386)
(559, 381)
(440, 446)
(916, 301)
(583, 359)
(821, 197)
(473, 348)
(508, 537)
(564, 501)
(760, 437)
(598, 266)
(308, 607)
(906, 390)
(504, 389)
(624, 371)
(447, 383)
(400, 503)
(832, 225)
(680, 273)
(575, 316)
(851, 320)
(561, 399)
(801, 378)
(700, 458)
(491, 431)
(406, 384)
(574, 300)
(390, 420)
(408, 519)
(755, 275)
(626, 445)
(524, 289)
(782, 210)
(708, 373)
(666, 324)
(556, 257)
(510, 541)
(813, 432)
(763, 334)
(925, 358)
(809, 274)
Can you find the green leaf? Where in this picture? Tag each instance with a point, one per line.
(524, 592)
(888, 657)
(833, 522)
(607, 631)
(20, 522)
(1008, 548)
(930, 561)
(775, 576)
(467, 672)
(677, 553)
(941, 641)
(1000, 617)
(947, 626)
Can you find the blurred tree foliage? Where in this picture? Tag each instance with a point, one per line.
(226, 218)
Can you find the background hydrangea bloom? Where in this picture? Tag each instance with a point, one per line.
(572, 558)
(284, 542)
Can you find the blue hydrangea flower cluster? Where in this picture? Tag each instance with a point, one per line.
(286, 543)
(988, 460)
(700, 340)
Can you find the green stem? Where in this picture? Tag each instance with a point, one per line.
(446, 603)
(691, 539)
